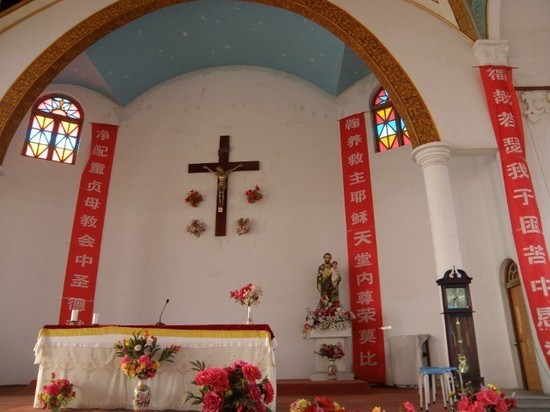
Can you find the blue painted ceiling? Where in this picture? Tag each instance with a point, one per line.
(211, 33)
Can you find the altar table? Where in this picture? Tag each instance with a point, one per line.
(85, 356)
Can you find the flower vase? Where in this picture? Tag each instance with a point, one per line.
(332, 370)
(249, 320)
(142, 396)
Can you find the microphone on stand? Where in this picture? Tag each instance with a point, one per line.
(161, 312)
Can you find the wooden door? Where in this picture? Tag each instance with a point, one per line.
(524, 340)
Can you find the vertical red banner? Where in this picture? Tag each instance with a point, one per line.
(523, 209)
(85, 247)
(368, 340)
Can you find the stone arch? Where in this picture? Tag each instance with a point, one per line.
(36, 77)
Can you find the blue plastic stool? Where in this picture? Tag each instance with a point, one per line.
(427, 384)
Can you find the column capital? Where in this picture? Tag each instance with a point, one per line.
(436, 153)
(491, 52)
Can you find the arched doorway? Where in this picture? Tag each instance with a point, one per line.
(522, 331)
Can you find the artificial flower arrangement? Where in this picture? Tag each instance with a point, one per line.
(248, 295)
(254, 194)
(243, 226)
(318, 404)
(57, 394)
(194, 198)
(489, 398)
(407, 407)
(331, 351)
(138, 355)
(197, 227)
(232, 388)
(327, 315)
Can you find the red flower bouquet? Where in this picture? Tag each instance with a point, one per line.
(254, 194)
(57, 394)
(489, 399)
(233, 388)
(194, 198)
(330, 351)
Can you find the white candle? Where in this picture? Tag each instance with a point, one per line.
(95, 319)
(74, 315)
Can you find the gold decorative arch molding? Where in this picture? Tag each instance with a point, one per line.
(40, 73)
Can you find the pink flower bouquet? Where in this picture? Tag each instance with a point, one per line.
(248, 295)
(138, 355)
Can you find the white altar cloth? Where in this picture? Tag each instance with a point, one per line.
(85, 356)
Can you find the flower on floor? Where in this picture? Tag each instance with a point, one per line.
(331, 351)
(488, 399)
(409, 407)
(248, 295)
(194, 198)
(57, 394)
(318, 404)
(138, 355)
(254, 194)
(232, 388)
(197, 227)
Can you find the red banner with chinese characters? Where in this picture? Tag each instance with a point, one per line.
(368, 341)
(83, 259)
(523, 209)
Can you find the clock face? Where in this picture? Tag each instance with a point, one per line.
(456, 298)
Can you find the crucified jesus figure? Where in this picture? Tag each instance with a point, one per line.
(222, 181)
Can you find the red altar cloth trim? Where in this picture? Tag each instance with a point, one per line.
(196, 331)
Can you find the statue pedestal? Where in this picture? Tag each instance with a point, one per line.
(332, 337)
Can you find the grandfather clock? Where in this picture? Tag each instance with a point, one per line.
(459, 325)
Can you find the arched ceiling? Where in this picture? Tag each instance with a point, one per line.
(201, 34)
(211, 33)
(131, 46)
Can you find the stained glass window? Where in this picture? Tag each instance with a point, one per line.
(390, 130)
(54, 129)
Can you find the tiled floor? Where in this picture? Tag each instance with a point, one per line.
(20, 398)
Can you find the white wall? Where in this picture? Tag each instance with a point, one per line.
(147, 256)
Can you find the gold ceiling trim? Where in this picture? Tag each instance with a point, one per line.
(464, 19)
(40, 73)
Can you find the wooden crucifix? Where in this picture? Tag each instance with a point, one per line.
(222, 169)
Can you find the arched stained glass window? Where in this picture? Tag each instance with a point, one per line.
(54, 129)
(389, 128)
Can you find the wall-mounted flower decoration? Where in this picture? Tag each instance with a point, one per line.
(254, 194)
(194, 198)
(197, 227)
(243, 226)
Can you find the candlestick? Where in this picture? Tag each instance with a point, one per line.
(74, 315)
(95, 319)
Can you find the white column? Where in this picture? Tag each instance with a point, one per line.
(433, 158)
